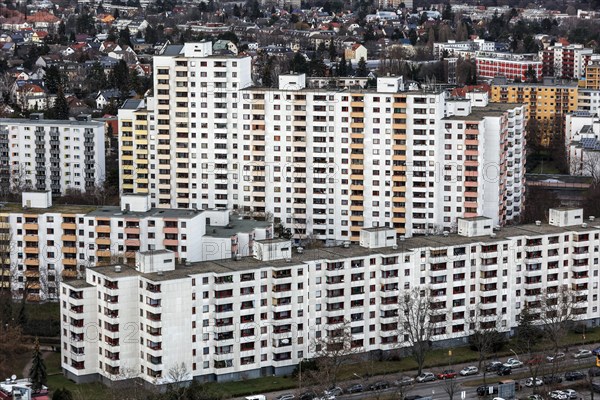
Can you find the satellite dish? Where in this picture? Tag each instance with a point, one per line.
(13, 377)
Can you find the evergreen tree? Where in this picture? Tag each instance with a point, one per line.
(317, 67)
(298, 64)
(341, 68)
(37, 372)
(267, 75)
(52, 79)
(349, 69)
(22, 317)
(362, 70)
(332, 51)
(119, 77)
(61, 106)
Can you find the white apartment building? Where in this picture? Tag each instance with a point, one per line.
(588, 100)
(582, 134)
(323, 162)
(51, 243)
(465, 49)
(260, 315)
(51, 155)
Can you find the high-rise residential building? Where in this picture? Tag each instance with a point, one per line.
(262, 315)
(465, 49)
(591, 79)
(564, 60)
(325, 163)
(55, 155)
(43, 244)
(582, 130)
(588, 100)
(548, 101)
(520, 67)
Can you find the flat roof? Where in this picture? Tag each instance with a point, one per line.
(55, 208)
(115, 211)
(235, 226)
(78, 283)
(46, 122)
(340, 253)
(490, 110)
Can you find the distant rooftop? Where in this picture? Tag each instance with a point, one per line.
(490, 110)
(235, 226)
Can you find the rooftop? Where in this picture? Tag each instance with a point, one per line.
(235, 225)
(46, 122)
(338, 253)
(56, 208)
(114, 211)
(490, 110)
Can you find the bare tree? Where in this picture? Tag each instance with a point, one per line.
(450, 387)
(333, 350)
(557, 312)
(416, 328)
(484, 326)
(587, 163)
(178, 376)
(5, 262)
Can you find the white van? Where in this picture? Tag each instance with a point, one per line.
(257, 397)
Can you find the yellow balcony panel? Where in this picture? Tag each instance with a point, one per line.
(127, 186)
(32, 250)
(31, 238)
(399, 220)
(69, 249)
(357, 156)
(69, 238)
(399, 126)
(127, 148)
(141, 180)
(356, 208)
(128, 157)
(30, 226)
(357, 114)
(357, 197)
(357, 187)
(357, 125)
(357, 104)
(68, 225)
(398, 157)
(357, 218)
(399, 147)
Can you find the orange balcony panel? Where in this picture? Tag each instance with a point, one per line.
(471, 184)
(171, 242)
(69, 261)
(355, 156)
(68, 273)
(32, 250)
(356, 208)
(355, 135)
(357, 145)
(471, 152)
(32, 261)
(357, 197)
(470, 163)
(132, 230)
(69, 249)
(357, 104)
(399, 157)
(132, 242)
(103, 228)
(470, 215)
(357, 218)
(399, 220)
(103, 241)
(399, 199)
(171, 230)
(30, 226)
(399, 126)
(31, 238)
(399, 178)
(69, 238)
(357, 177)
(472, 142)
(399, 147)
(357, 114)
(103, 253)
(68, 225)
(32, 273)
(471, 131)
(357, 125)
(357, 187)
(470, 204)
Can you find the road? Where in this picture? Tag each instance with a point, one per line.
(438, 390)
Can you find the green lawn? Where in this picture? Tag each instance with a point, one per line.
(43, 311)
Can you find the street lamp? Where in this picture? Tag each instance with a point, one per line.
(516, 355)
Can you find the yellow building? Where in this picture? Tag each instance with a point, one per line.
(592, 76)
(548, 101)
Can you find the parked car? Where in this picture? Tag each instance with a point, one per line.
(551, 379)
(447, 374)
(555, 357)
(414, 397)
(355, 388)
(596, 351)
(571, 393)
(285, 396)
(380, 385)
(583, 353)
(594, 371)
(470, 370)
(558, 395)
(493, 366)
(531, 382)
(574, 376)
(485, 390)
(504, 370)
(513, 363)
(426, 377)
(596, 387)
(404, 381)
(535, 397)
(535, 360)
(334, 391)
(308, 396)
